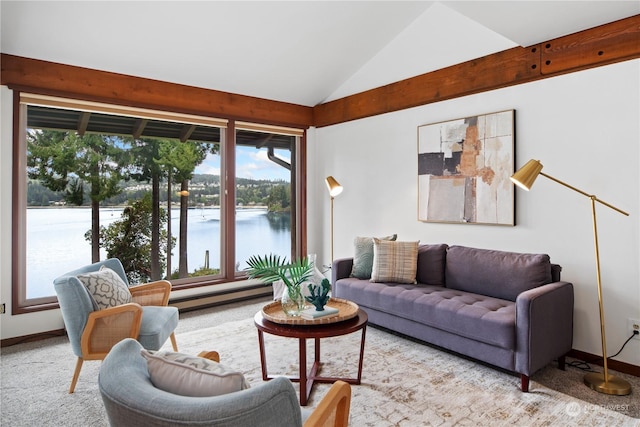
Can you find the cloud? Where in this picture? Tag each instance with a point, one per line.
(250, 163)
(255, 164)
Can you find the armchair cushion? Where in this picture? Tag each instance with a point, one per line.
(106, 288)
(157, 325)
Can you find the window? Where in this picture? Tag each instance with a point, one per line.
(90, 177)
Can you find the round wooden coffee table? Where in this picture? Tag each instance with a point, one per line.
(315, 332)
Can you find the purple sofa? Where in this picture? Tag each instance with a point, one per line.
(508, 309)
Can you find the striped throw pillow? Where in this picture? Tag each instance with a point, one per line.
(394, 262)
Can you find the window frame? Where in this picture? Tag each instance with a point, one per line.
(21, 305)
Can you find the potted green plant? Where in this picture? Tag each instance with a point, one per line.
(270, 268)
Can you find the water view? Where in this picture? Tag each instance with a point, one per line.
(56, 243)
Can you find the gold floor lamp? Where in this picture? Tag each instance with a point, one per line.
(604, 383)
(334, 189)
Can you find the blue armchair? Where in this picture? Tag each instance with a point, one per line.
(131, 399)
(93, 332)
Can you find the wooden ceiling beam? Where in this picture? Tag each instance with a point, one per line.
(186, 131)
(83, 122)
(138, 128)
(50, 78)
(607, 44)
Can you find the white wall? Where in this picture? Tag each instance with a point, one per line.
(583, 127)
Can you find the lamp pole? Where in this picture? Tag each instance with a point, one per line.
(334, 189)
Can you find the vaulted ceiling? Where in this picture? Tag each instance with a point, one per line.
(301, 52)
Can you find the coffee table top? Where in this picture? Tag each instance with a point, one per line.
(346, 310)
(345, 327)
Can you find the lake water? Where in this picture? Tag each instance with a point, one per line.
(56, 244)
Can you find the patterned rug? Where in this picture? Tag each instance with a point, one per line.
(404, 383)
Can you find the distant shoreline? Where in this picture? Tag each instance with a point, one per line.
(257, 207)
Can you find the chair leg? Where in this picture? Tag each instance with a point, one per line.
(524, 382)
(173, 341)
(76, 374)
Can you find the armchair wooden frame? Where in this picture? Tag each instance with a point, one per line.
(333, 409)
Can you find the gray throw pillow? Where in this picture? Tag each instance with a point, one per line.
(106, 288)
(363, 256)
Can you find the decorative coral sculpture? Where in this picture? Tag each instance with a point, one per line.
(319, 294)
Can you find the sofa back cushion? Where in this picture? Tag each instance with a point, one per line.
(495, 273)
(431, 262)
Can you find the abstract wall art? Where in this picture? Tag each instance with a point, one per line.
(464, 167)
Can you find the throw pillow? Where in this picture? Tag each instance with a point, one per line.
(192, 376)
(106, 288)
(394, 262)
(363, 256)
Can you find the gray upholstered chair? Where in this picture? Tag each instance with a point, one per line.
(131, 399)
(93, 332)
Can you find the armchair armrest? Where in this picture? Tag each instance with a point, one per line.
(544, 325)
(107, 327)
(341, 269)
(152, 293)
(333, 409)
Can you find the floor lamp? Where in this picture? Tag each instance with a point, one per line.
(334, 189)
(603, 383)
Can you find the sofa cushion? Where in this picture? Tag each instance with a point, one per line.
(106, 288)
(495, 273)
(363, 256)
(394, 261)
(478, 317)
(431, 263)
(194, 376)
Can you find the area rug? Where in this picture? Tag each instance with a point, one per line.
(404, 383)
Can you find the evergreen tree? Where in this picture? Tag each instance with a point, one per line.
(179, 160)
(67, 162)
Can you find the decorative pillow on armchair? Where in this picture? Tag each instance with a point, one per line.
(363, 256)
(193, 376)
(394, 262)
(106, 288)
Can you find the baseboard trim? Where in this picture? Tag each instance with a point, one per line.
(7, 342)
(616, 365)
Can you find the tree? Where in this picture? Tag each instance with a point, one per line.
(146, 157)
(279, 199)
(68, 162)
(129, 240)
(179, 160)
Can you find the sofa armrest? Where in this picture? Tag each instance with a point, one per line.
(544, 325)
(341, 269)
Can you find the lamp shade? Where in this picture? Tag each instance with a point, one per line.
(527, 174)
(334, 187)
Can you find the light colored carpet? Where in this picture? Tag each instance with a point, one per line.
(404, 383)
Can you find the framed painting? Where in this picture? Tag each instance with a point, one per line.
(464, 168)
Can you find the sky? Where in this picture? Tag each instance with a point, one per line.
(250, 163)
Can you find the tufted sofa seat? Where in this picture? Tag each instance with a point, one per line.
(508, 309)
